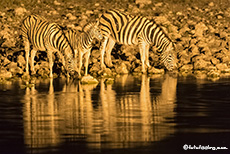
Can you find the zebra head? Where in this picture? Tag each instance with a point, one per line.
(93, 30)
(168, 57)
(71, 67)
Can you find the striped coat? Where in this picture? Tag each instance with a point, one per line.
(81, 41)
(134, 30)
(49, 37)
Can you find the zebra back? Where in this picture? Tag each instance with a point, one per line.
(46, 36)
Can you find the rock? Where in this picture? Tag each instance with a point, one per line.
(195, 50)
(21, 61)
(20, 11)
(159, 4)
(213, 74)
(121, 68)
(106, 72)
(8, 35)
(88, 80)
(200, 64)
(57, 3)
(154, 70)
(71, 17)
(96, 4)
(143, 1)
(200, 74)
(186, 68)
(109, 81)
(222, 67)
(5, 61)
(211, 4)
(215, 61)
(199, 29)
(4, 74)
(89, 12)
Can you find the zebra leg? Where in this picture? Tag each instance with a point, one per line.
(87, 55)
(33, 53)
(50, 59)
(147, 55)
(108, 51)
(143, 55)
(27, 53)
(102, 50)
(80, 63)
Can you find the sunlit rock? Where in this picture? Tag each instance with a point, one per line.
(20, 11)
(88, 80)
(154, 70)
(5, 74)
(121, 68)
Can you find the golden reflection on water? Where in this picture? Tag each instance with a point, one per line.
(99, 115)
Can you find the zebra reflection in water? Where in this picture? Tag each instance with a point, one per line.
(102, 116)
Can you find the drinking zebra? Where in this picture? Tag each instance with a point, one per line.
(134, 30)
(82, 42)
(49, 37)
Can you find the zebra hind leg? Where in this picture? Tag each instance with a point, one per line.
(27, 54)
(143, 55)
(108, 51)
(33, 53)
(102, 50)
(87, 55)
(147, 56)
(50, 59)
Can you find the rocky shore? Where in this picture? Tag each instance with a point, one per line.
(199, 30)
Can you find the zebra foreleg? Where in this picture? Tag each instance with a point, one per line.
(87, 55)
(33, 53)
(50, 59)
(102, 50)
(143, 55)
(27, 54)
(147, 55)
(108, 51)
(80, 63)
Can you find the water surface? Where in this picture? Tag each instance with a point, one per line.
(158, 114)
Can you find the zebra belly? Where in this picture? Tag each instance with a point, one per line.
(133, 41)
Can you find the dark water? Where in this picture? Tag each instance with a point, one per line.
(158, 114)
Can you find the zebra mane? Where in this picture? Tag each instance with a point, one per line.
(88, 26)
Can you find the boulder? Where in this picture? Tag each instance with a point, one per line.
(121, 68)
(20, 11)
(88, 80)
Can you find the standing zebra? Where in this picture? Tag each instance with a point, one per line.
(82, 42)
(46, 36)
(134, 30)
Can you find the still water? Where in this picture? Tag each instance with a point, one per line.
(157, 114)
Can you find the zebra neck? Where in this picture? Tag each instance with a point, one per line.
(163, 46)
(86, 40)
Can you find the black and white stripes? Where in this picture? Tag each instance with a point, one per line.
(46, 36)
(82, 42)
(134, 30)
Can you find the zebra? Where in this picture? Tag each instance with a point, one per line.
(81, 41)
(134, 30)
(49, 37)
